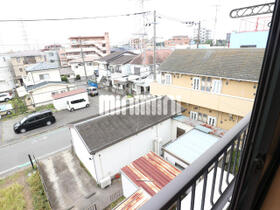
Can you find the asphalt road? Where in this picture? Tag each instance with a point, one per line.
(15, 156)
(7, 135)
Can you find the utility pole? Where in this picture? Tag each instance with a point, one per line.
(155, 18)
(83, 59)
(198, 35)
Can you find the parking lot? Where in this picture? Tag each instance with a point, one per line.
(64, 117)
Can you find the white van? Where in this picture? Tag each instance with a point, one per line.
(77, 104)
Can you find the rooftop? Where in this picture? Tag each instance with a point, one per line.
(32, 87)
(41, 66)
(239, 64)
(147, 57)
(115, 55)
(69, 93)
(190, 145)
(105, 130)
(135, 201)
(150, 172)
(26, 53)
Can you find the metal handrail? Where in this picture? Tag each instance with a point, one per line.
(173, 193)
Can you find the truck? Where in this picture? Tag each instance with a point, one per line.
(5, 109)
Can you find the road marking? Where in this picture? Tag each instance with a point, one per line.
(38, 158)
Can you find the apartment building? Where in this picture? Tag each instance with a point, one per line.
(204, 34)
(216, 86)
(23, 59)
(177, 40)
(90, 46)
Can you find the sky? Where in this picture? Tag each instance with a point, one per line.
(13, 35)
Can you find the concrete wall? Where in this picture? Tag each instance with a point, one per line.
(128, 186)
(110, 160)
(78, 69)
(82, 152)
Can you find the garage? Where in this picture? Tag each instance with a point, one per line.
(60, 99)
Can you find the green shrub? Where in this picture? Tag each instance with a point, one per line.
(78, 77)
(64, 79)
(19, 105)
(39, 198)
(45, 107)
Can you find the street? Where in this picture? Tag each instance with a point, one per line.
(7, 134)
(15, 156)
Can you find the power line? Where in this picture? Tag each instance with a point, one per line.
(74, 18)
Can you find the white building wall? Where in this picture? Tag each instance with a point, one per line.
(43, 96)
(171, 159)
(79, 69)
(34, 76)
(61, 103)
(128, 186)
(110, 160)
(6, 76)
(82, 152)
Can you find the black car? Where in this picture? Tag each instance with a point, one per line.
(34, 120)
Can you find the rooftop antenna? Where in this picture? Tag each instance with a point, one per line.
(24, 35)
(215, 23)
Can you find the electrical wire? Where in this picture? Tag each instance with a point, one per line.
(74, 18)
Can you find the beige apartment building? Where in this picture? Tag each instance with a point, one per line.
(216, 86)
(23, 59)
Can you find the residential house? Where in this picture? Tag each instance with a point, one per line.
(41, 72)
(216, 86)
(67, 72)
(106, 143)
(52, 56)
(42, 93)
(6, 74)
(84, 67)
(21, 60)
(177, 40)
(90, 46)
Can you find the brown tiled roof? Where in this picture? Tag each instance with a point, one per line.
(69, 93)
(161, 56)
(239, 64)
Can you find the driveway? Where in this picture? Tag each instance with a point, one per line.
(69, 186)
(64, 117)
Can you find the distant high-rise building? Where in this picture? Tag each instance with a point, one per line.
(91, 46)
(138, 43)
(205, 34)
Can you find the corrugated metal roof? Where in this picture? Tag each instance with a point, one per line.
(191, 145)
(69, 93)
(135, 201)
(151, 172)
(41, 66)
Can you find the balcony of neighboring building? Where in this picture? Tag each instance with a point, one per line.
(226, 103)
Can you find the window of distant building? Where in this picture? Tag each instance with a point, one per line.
(206, 84)
(168, 79)
(216, 86)
(104, 51)
(18, 60)
(211, 121)
(196, 83)
(103, 45)
(20, 69)
(89, 63)
(44, 76)
(193, 115)
(51, 54)
(52, 61)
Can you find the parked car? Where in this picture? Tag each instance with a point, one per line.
(6, 96)
(77, 104)
(5, 109)
(35, 120)
(92, 91)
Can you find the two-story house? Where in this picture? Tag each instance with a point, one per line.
(21, 60)
(41, 72)
(216, 86)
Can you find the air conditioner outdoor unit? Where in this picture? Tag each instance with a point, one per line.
(105, 182)
(157, 144)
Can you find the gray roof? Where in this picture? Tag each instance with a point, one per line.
(123, 59)
(66, 71)
(239, 64)
(26, 53)
(41, 66)
(32, 87)
(109, 58)
(103, 131)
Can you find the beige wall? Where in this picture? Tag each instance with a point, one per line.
(224, 120)
(18, 64)
(224, 103)
(244, 89)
